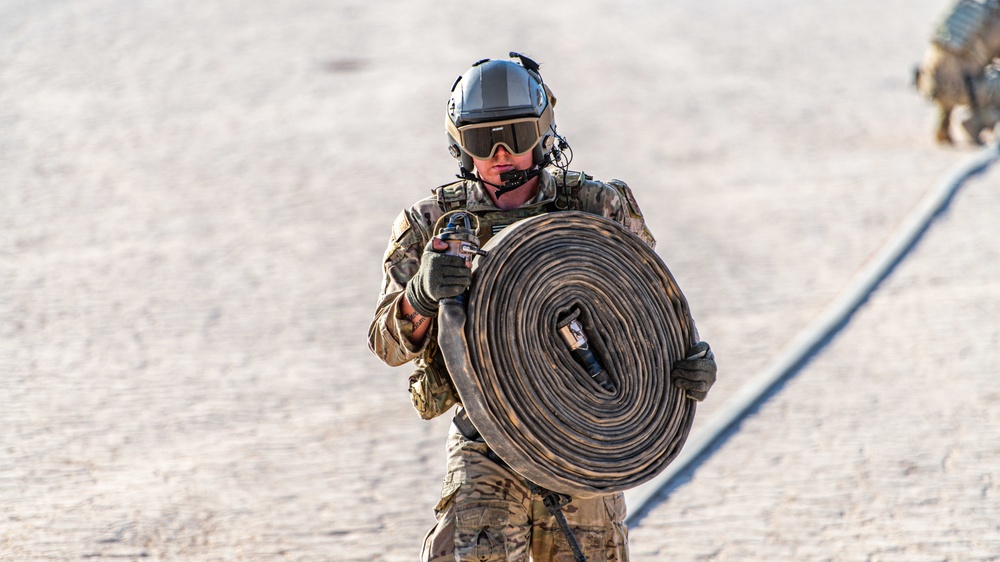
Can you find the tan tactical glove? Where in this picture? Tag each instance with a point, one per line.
(440, 275)
(696, 373)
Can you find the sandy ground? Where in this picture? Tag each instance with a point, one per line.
(195, 198)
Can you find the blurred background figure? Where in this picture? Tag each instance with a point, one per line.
(956, 70)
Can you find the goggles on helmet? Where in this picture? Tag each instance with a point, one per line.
(481, 140)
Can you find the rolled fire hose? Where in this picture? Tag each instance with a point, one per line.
(535, 404)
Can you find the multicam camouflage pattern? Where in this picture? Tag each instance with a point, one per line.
(389, 333)
(487, 513)
(962, 46)
(431, 391)
(962, 29)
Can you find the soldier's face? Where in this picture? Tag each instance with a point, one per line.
(502, 161)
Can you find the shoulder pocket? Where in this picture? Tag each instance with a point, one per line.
(634, 221)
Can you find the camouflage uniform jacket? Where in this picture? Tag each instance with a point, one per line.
(963, 31)
(389, 333)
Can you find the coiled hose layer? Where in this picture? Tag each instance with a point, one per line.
(532, 402)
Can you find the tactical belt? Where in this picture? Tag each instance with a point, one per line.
(534, 403)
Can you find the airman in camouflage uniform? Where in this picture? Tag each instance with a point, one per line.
(413, 228)
(509, 507)
(956, 70)
(487, 512)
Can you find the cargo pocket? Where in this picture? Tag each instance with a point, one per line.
(431, 390)
(617, 539)
(439, 543)
(484, 533)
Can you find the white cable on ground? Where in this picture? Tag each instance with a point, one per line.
(812, 338)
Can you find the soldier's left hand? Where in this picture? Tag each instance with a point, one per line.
(696, 374)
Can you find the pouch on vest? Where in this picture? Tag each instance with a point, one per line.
(431, 389)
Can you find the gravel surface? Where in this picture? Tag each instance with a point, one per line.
(194, 202)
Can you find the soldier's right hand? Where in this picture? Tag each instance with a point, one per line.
(440, 276)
